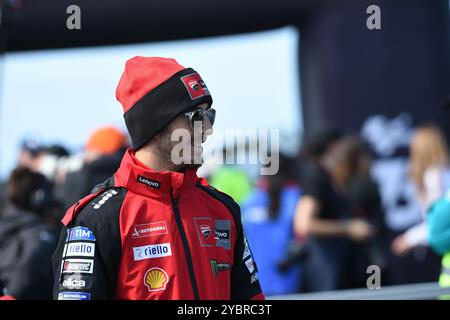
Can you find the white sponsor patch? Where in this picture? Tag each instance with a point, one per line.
(78, 265)
(80, 233)
(246, 249)
(250, 265)
(73, 283)
(148, 229)
(74, 296)
(79, 249)
(105, 197)
(152, 251)
(254, 278)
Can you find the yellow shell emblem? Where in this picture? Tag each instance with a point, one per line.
(156, 279)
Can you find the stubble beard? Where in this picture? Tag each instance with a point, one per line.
(165, 147)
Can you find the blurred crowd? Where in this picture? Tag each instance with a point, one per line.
(46, 182)
(321, 221)
(314, 226)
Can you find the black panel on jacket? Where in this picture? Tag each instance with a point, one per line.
(101, 216)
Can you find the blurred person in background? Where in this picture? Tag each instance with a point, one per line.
(268, 215)
(2, 196)
(438, 219)
(438, 223)
(430, 172)
(318, 144)
(353, 162)
(49, 161)
(29, 153)
(27, 241)
(38, 158)
(410, 259)
(324, 214)
(232, 180)
(104, 150)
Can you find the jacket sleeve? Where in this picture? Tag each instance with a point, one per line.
(87, 259)
(244, 274)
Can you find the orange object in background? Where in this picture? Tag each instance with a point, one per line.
(106, 140)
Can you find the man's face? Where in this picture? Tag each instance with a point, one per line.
(181, 140)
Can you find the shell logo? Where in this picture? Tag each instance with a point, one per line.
(156, 279)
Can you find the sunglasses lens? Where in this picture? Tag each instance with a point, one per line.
(199, 114)
(211, 114)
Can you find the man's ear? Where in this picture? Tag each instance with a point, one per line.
(155, 139)
(150, 143)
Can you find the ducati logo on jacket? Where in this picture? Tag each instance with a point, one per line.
(155, 235)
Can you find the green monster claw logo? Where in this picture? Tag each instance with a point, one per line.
(219, 267)
(214, 267)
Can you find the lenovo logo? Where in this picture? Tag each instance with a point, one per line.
(149, 182)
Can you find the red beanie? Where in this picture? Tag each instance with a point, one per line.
(153, 91)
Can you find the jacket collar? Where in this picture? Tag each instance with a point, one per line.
(138, 178)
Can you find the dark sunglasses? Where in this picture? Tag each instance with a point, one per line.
(199, 114)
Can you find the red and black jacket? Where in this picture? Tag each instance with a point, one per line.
(154, 235)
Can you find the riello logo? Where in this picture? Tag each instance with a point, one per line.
(152, 251)
(80, 249)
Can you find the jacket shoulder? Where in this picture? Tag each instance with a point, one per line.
(105, 206)
(222, 197)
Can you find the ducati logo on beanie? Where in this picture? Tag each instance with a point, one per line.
(195, 86)
(153, 91)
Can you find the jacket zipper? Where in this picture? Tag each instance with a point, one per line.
(185, 246)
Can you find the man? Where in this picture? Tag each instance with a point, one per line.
(155, 230)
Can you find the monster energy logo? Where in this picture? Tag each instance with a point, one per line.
(218, 267)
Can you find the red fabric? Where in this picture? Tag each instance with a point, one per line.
(131, 168)
(259, 296)
(144, 204)
(7, 298)
(141, 75)
(148, 204)
(73, 211)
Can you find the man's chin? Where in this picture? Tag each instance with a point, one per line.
(194, 166)
(184, 167)
(194, 162)
(197, 163)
